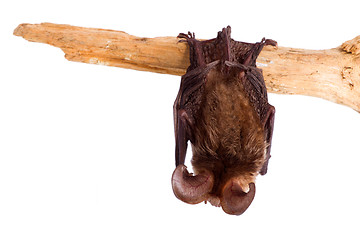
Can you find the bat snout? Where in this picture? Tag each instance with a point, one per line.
(214, 201)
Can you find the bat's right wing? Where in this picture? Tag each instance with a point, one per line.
(185, 107)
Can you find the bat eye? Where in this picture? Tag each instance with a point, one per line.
(234, 200)
(189, 188)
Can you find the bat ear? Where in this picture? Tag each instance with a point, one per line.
(234, 200)
(191, 189)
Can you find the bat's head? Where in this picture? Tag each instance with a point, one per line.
(233, 194)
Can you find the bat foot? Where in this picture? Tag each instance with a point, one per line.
(271, 42)
(187, 36)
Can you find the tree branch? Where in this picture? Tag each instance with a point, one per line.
(332, 74)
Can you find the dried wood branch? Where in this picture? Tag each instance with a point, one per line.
(332, 74)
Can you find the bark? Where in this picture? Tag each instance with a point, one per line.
(332, 74)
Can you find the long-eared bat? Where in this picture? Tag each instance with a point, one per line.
(222, 109)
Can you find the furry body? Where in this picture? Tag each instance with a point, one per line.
(229, 138)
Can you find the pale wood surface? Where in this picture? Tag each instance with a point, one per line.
(332, 74)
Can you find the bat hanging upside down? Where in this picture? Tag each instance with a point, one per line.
(223, 110)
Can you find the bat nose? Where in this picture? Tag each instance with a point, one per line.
(214, 201)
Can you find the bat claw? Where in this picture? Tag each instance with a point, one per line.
(271, 43)
(187, 36)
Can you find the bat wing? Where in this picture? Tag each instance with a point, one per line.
(269, 127)
(243, 56)
(255, 87)
(204, 55)
(186, 106)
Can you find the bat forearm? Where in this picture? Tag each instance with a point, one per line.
(332, 74)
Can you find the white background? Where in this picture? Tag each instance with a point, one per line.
(87, 151)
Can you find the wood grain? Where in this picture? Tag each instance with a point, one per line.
(332, 74)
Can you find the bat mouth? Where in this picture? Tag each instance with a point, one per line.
(235, 200)
(191, 188)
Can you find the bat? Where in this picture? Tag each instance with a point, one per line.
(222, 109)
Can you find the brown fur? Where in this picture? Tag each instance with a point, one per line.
(229, 138)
